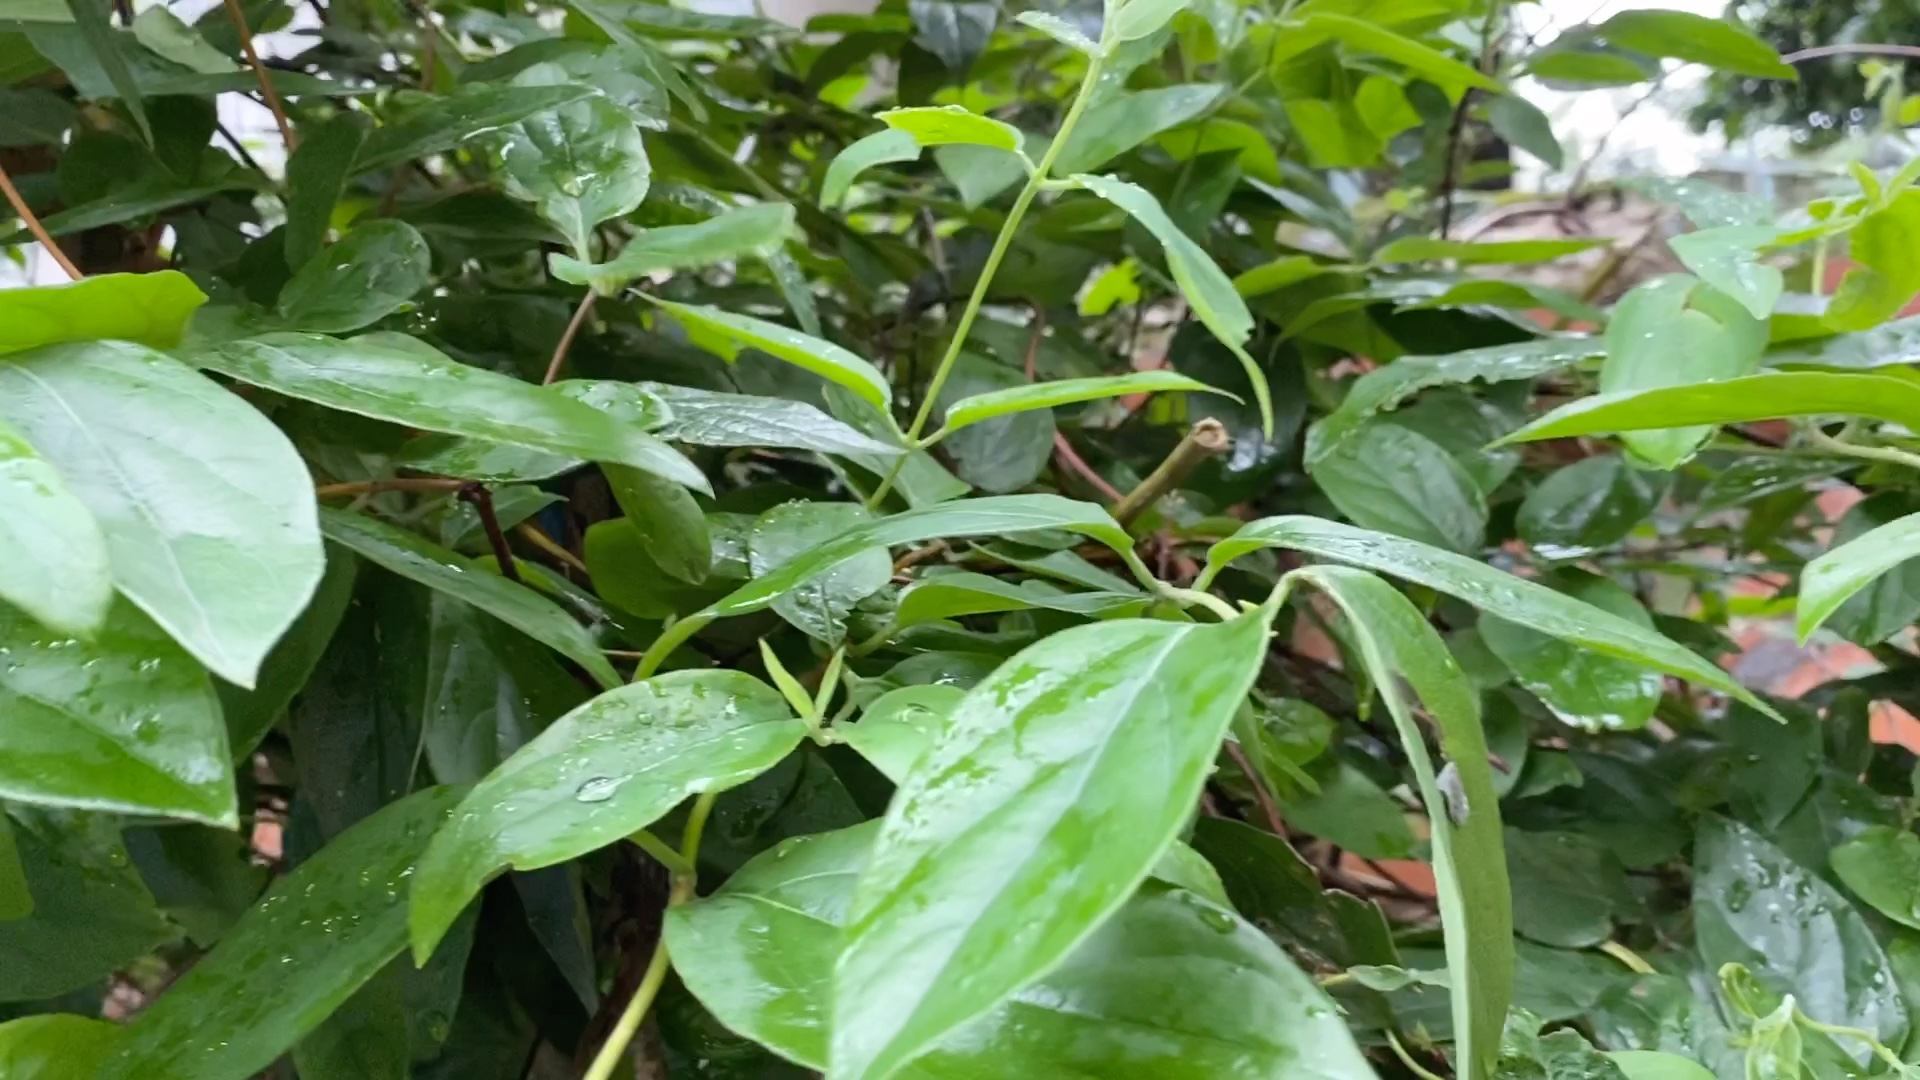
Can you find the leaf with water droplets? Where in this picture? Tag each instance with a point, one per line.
(726, 335)
(57, 1046)
(894, 732)
(818, 608)
(579, 164)
(293, 958)
(125, 721)
(206, 508)
(442, 123)
(371, 273)
(1584, 688)
(56, 569)
(759, 952)
(1052, 791)
(611, 767)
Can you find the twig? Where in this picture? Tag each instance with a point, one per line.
(481, 499)
(1261, 795)
(1819, 51)
(1406, 1059)
(920, 555)
(1067, 456)
(1449, 179)
(1872, 453)
(402, 483)
(234, 141)
(531, 533)
(566, 337)
(260, 72)
(1207, 438)
(33, 225)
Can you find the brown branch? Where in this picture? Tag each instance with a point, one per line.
(33, 225)
(566, 337)
(1065, 455)
(260, 72)
(1268, 808)
(477, 495)
(1207, 438)
(374, 487)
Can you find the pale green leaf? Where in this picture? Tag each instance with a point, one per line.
(1766, 396)
(880, 148)
(1728, 258)
(1699, 39)
(1835, 575)
(1481, 253)
(149, 309)
(943, 125)
(1048, 395)
(56, 569)
(725, 334)
(757, 231)
(1059, 30)
(1429, 63)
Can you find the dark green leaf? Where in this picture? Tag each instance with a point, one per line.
(1125, 120)
(612, 766)
(106, 43)
(150, 309)
(251, 713)
(1398, 481)
(579, 164)
(371, 273)
(1272, 885)
(1346, 807)
(1584, 689)
(34, 117)
(1593, 503)
(1698, 39)
(956, 31)
(317, 175)
(1882, 867)
(1435, 66)
(708, 418)
(669, 522)
(949, 596)
(1521, 123)
(1567, 888)
(447, 122)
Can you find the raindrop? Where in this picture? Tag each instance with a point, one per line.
(598, 789)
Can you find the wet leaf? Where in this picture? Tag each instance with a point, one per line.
(58, 570)
(579, 164)
(148, 309)
(726, 334)
(56, 1047)
(1882, 867)
(1583, 688)
(758, 231)
(371, 273)
(820, 606)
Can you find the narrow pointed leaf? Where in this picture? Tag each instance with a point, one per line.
(603, 771)
(1469, 253)
(1835, 575)
(518, 606)
(368, 275)
(293, 958)
(1059, 30)
(947, 125)
(1881, 866)
(422, 389)
(1429, 63)
(1469, 857)
(725, 334)
(16, 896)
(56, 570)
(1207, 288)
(950, 596)
(880, 148)
(1054, 789)
(1135, 19)
(711, 418)
(106, 44)
(757, 231)
(1049, 395)
(1732, 401)
(206, 508)
(149, 309)
(317, 174)
(1512, 598)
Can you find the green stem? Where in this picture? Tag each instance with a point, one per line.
(1872, 453)
(662, 852)
(615, 1048)
(1035, 181)
(1880, 1049)
(671, 637)
(1406, 1059)
(1190, 597)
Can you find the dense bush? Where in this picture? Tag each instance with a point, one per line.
(957, 543)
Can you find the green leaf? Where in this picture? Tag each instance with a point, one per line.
(443, 123)
(1587, 68)
(1207, 288)
(1395, 480)
(894, 732)
(946, 125)
(631, 405)
(1696, 39)
(1586, 690)
(1567, 888)
(758, 230)
(162, 32)
(1844, 570)
(1348, 808)
(1882, 279)
(1057, 740)
(437, 568)
(1387, 386)
(952, 595)
(726, 334)
(880, 148)
(404, 382)
(56, 1046)
(317, 174)
(759, 952)
(580, 164)
(1522, 124)
(1891, 602)
(150, 309)
(1059, 30)
(123, 721)
(1766, 396)
(370, 274)
(1123, 121)
(92, 915)
(250, 714)
(1470, 253)
(135, 201)
(1728, 258)
(293, 958)
(1434, 66)
(1756, 907)
(215, 537)
(1655, 1065)
(1672, 332)
(1049, 395)
(1591, 504)
(105, 43)
(1270, 883)
(34, 116)
(710, 418)
(1131, 20)
(1494, 591)
(16, 896)
(669, 522)
(1469, 861)
(613, 766)
(57, 568)
(820, 606)
(1882, 867)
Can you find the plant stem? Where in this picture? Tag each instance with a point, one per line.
(615, 1048)
(267, 91)
(481, 500)
(1207, 438)
(1626, 956)
(1406, 1059)
(566, 338)
(663, 853)
(531, 534)
(1871, 453)
(1190, 597)
(33, 225)
(1001, 244)
(399, 483)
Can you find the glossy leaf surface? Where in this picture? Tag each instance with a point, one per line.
(1835, 575)
(756, 231)
(368, 275)
(148, 309)
(58, 572)
(1049, 395)
(1731, 401)
(726, 334)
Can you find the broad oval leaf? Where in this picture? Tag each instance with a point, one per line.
(1207, 288)
(947, 125)
(124, 721)
(442, 123)
(57, 569)
(1728, 258)
(206, 508)
(1700, 39)
(1131, 20)
(57, 1046)
(1059, 30)
(1835, 575)
(894, 732)
(1882, 867)
(725, 334)
(820, 606)
(758, 953)
(1126, 119)
(1586, 689)
(1674, 331)
(608, 768)
(1766, 396)
(1590, 504)
(669, 522)
(1495, 591)
(757, 230)
(1048, 395)
(148, 309)
(711, 418)
(1054, 789)
(880, 148)
(1463, 807)
(368, 275)
(518, 606)
(418, 387)
(1396, 480)
(317, 173)
(579, 164)
(293, 958)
